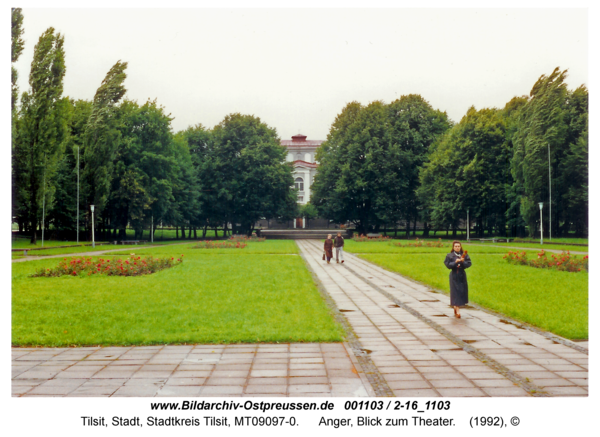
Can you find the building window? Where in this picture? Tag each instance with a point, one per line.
(300, 198)
(299, 184)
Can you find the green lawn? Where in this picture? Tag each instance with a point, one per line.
(390, 247)
(282, 247)
(538, 246)
(552, 300)
(560, 240)
(262, 293)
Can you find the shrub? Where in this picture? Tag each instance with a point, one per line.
(362, 238)
(421, 243)
(253, 238)
(563, 262)
(208, 244)
(86, 266)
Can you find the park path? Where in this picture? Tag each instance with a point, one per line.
(95, 253)
(408, 336)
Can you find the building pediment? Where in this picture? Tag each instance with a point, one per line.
(304, 164)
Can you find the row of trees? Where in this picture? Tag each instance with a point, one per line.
(407, 162)
(123, 158)
(382, 164)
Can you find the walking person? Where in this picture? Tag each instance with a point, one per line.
(338, 243)
(458, 261)
(328, 248)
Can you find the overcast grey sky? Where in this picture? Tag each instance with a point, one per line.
(297, 68)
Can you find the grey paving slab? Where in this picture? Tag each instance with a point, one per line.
(189, 371)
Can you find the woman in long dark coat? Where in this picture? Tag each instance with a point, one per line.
(459, 289)
(328, 248)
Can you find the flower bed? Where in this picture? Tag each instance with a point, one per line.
(86, 266)
(421, 243)
(219, 245)
(363, 238)
(563, 262)
(243, 238)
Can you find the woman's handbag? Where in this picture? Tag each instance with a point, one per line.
(323, 255)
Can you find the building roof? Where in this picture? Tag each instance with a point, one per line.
(299, 141)
(300, 163)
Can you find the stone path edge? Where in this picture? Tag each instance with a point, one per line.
(375, 382)
(517, 323)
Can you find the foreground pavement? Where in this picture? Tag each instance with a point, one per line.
(402, 340)
(408, 333)
(299, 370)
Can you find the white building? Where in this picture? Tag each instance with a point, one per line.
(302, 153)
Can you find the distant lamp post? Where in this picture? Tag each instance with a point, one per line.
(93, 240)
(541, 223)
(468, 225)
(550, 189)
(77, 194)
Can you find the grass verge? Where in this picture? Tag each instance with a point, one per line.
(210, 298)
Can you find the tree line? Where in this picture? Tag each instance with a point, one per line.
(405, 162)
(382, 165)
(123, 158)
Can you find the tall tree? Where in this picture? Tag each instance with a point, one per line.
(64, 214)
(469, 169)
(368, 167)
(573, 170)
(415, 126)
(43, 125)
(550, 126)
(250, 178)
(17, 45)
(102, 137)
(514, 219)
(198, 140)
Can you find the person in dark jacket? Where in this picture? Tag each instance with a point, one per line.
(338, 243)
(457, 261)
(328, 248)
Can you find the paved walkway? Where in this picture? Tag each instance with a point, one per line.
(299, 370)
(419, 348)
(402, 341)
(94, 253)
